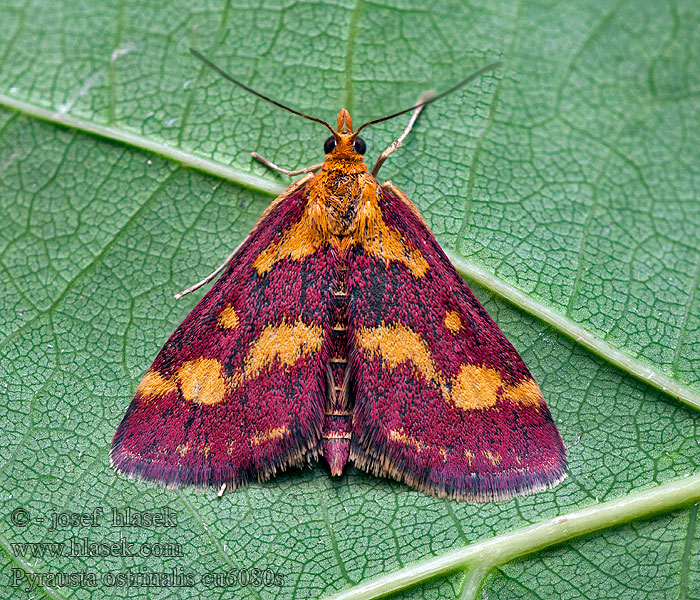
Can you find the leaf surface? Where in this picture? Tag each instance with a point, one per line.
(568, 179)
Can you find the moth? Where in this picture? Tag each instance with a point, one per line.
(339, 328)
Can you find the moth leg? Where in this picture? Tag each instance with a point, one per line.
(211, 276)
(396, 144)
(285, 194)
(274, 167)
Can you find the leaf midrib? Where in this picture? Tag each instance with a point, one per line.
(482, 556)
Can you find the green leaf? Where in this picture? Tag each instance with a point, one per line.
(566, 183)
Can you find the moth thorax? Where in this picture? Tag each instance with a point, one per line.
(340, 196)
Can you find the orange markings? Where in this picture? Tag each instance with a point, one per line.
(202, 381)
(399, 436)
(526, 393)
(271, 434)
(329, 200)
(154, 385)
(382, 241)
(286, 343)
(453, 322)
(228, 318)
(474, 387)
(300, 241)
(493, 457)
(397, 344)
(183, 449)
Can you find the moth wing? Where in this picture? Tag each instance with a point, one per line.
(237, 392)
(443, 401)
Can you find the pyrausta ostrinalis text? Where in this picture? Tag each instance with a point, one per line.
(340, 329)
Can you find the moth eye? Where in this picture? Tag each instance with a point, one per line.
(359, 145)
(329, 145)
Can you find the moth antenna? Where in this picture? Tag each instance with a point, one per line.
(472, 77)
(225, 75)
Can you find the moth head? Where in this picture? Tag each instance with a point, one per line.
(344, 144)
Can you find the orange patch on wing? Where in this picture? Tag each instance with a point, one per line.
(228, 318)
(527, 393)
(382, 241)
(271, 434)
(396, 344)
(469, 455)
(202, 381)
(493, 457)
(285, 343)
(398, 435)
(154, 385)
(300, 241)
(475, 388)
(452, 321)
